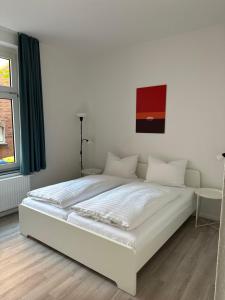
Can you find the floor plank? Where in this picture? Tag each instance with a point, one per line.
(183, 269)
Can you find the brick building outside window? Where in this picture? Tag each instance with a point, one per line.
(6, 134)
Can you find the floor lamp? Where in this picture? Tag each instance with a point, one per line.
(220, 269)
(81, 117)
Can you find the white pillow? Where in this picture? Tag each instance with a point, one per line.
(170, 174)
(121, 167)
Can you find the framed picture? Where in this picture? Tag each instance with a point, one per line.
(151, 109)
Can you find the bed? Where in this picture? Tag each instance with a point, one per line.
(118, 259)
(137, 238)
(61, 213)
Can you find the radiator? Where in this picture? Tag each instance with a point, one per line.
(12, 191)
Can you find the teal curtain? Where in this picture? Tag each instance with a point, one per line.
(31, 106)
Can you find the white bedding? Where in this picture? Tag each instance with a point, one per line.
(139, 237)
(70, 192)
(50, 209)
(127, 206)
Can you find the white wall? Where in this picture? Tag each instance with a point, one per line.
(193, 67)
(8, 37)
(62, 97)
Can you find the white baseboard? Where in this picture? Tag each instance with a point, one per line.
(8, 212)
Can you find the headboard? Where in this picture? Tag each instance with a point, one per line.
(192, 176)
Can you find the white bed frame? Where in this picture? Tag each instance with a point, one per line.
(104, 255)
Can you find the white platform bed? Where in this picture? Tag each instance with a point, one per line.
(115, 253)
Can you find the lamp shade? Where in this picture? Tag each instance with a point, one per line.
(81, 115)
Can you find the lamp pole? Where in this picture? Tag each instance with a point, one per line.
(82, 140)
(81, 143)
(81, 117)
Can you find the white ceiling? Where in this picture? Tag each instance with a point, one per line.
(96, 25)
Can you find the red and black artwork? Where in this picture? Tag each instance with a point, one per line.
(151, 109)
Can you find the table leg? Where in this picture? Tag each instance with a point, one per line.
(197, 211)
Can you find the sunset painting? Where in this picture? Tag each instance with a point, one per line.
(151, 109)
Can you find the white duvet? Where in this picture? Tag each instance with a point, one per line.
(71, 192)
(127, 206)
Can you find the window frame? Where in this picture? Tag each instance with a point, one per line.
(12, 94)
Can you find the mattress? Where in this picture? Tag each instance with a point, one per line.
(52, 210)
(140, 236)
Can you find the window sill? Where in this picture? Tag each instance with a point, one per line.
(9, 174)
(3, 144)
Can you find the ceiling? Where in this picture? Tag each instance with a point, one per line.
(96, 25)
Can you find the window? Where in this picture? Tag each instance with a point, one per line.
(2, 134)
(9, 111)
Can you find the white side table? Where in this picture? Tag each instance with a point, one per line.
(208, 193)
(91, 171)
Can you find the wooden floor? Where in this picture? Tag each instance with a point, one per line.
(183, 269)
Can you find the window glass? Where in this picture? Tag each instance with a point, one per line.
(7, 153)
(9, 111)
(2, 133)
(5, 72)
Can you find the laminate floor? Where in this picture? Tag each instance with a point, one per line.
(183, 269)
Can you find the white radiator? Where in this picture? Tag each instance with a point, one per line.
(12, 191)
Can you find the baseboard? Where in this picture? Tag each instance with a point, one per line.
(8, 212)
